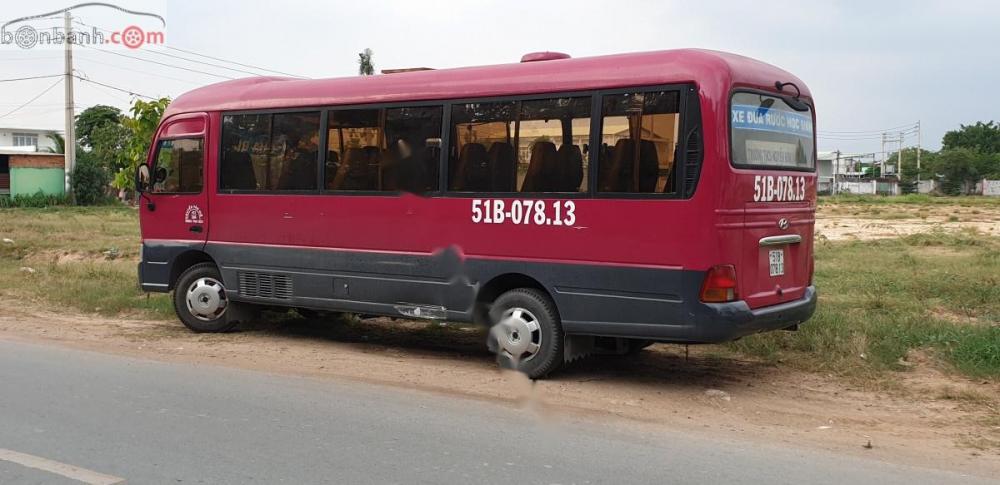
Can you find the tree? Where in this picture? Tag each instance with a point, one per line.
(109, 142)
(94, 118)
(366, 67)
(982, 137)
(89, 179)
(140, 126)
(958, 169)
(58, 141)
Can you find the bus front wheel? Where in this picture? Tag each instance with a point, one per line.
(200, 300)
(526, 334)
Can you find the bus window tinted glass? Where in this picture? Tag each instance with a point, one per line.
(270, 152)
(527, 146)
(638, 141)
(179, 166)
(413, 154)
(767, 132)
(355, 149)
(482, 148)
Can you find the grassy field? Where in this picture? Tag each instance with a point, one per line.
(884, 304)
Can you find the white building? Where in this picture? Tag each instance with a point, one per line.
(27, 139)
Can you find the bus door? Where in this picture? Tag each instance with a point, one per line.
(774, 144)
(177, 205)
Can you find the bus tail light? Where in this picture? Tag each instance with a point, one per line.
(720, 284)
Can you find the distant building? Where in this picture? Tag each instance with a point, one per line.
(27, 139)
(846, 168)
(28, 164)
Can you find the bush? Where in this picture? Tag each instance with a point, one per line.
(37, 199)
(90, 181)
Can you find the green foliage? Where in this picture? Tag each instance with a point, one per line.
(35, 200)
(981, 137)
(960, 168)
(109, 143)
(366, 67)
(93, 118)
(881, 300)
(89, 180)
(141, 126)
(58, 141)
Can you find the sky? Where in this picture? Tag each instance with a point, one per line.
(872, 66)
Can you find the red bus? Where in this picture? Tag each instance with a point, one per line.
(576, 205)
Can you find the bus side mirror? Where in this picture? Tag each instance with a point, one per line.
(142, 178)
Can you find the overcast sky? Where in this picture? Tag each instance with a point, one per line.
(870, 65)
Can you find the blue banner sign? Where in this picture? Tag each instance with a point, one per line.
(757, 118)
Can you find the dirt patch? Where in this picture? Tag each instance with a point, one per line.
(863, 222)
(661, 387)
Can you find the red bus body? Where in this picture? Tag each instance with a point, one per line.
(631, 267)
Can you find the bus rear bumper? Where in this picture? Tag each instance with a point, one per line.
(730, 321)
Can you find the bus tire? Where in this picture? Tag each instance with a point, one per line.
(527, 334)
(200, 300)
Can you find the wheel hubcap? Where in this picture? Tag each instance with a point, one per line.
(518, 334)
(206, 299)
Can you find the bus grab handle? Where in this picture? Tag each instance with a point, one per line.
(780, 240)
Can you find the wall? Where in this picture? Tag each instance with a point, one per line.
(30, 173)
(991, 187)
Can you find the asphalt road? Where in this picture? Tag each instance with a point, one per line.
(153, 422)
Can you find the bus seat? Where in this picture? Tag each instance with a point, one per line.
(352, 172)
(570, 168)
(237, 171)
(473, 171)
(617, 175)
(503, 176)
(541, 175)
(432, 164)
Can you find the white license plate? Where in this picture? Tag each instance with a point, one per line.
(776, 259)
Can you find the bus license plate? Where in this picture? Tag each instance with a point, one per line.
(777, 260)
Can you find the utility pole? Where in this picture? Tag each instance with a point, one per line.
(69, 136)
(899, 159)
(882, 157)
(918, 155)
(836, 171)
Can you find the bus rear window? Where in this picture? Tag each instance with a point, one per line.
(768, 133)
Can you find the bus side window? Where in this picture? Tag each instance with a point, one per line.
(179, 166)
(414, 149)
(269, 152)
(355, 150)
(531, 146)
(638, 140)
(481, 158)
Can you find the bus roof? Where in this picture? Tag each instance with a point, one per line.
(715, 72)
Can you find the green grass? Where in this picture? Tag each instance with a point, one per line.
(880, 300)
(83, 257)
(910, 199)
(937, 293)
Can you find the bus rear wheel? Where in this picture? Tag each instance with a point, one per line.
(526, 334)
(200, 300)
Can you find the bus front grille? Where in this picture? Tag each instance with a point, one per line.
(265, 285)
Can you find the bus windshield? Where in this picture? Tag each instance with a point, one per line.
(768, 133)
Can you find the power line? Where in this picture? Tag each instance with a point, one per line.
(133, 93)
(29, 78)
(32, 99)
(145, 73)
(883, 130)
(207, 57)
(155, 62)
(236, 63)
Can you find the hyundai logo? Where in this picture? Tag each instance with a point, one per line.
(782, 223)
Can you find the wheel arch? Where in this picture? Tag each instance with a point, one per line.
(497, 286)
(186, 260)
